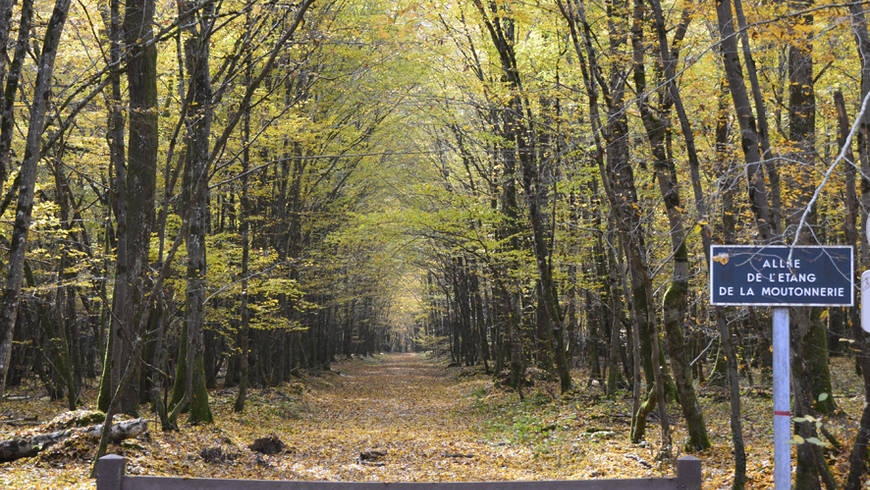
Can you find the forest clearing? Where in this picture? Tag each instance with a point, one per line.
(418, 420)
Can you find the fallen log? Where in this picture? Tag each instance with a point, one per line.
(19, 422)
(30, 445)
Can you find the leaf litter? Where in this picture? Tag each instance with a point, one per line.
(405, 417)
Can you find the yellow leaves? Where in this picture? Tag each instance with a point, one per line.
(797, 440)
(432, 423)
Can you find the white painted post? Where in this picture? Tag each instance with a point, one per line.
(865, 300)
(781, 401)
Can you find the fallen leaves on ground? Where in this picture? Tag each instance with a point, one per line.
(405, 417)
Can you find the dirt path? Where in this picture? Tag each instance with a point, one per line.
(405, 406)
(435, 424)
(431, 424)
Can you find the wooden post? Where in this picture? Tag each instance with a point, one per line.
(688, 473)
(110, 476)
(110, 472)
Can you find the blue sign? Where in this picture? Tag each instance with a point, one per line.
(767, 276)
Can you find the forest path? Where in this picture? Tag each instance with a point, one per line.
(408, 407)
(446, 424)
(432, 423)
(398, 395)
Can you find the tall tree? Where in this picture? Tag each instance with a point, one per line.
(117, 171)
(611, 136)
(750, 140)
(657, 126)
(195, 188)
(244, 227)
(518, 125)
(13, 78)
(32, 155)
(858, 457)
(135, 202)
(809, 338)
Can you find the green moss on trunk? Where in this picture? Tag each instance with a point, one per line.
(105, 394)
(199, 409)
(817, 364)
(178, 387)
(638, 422)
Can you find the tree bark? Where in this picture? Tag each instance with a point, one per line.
(244, 224)
(13, 76)
(195, 183)
(5, 18)
(23, 447)
(136, 199)
(749, 137)
(32, 155)
(857, 458)
(676, 296)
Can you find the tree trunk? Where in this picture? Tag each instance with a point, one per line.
(115, 138)
(32, 155)
(26, 446)
(676, 296)
(610, 276)
(857, 459)
(68, 352)
(726, 336)
(857, 462)
(809, 339)
(511, 317)
(13, 76)
(136, 201)
(761, 120)
(5, 18)
(195, 182)
(518, 125)
(244, 213)
(617, 177)
(758, 200)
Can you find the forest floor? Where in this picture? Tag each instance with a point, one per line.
(417, 420)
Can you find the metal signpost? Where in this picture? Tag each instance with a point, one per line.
(865, 301)
(779, 276)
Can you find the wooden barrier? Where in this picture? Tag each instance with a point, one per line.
(110, 476)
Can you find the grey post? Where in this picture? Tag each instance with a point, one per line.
(688, 473)
(781, 400)
(110, 472)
